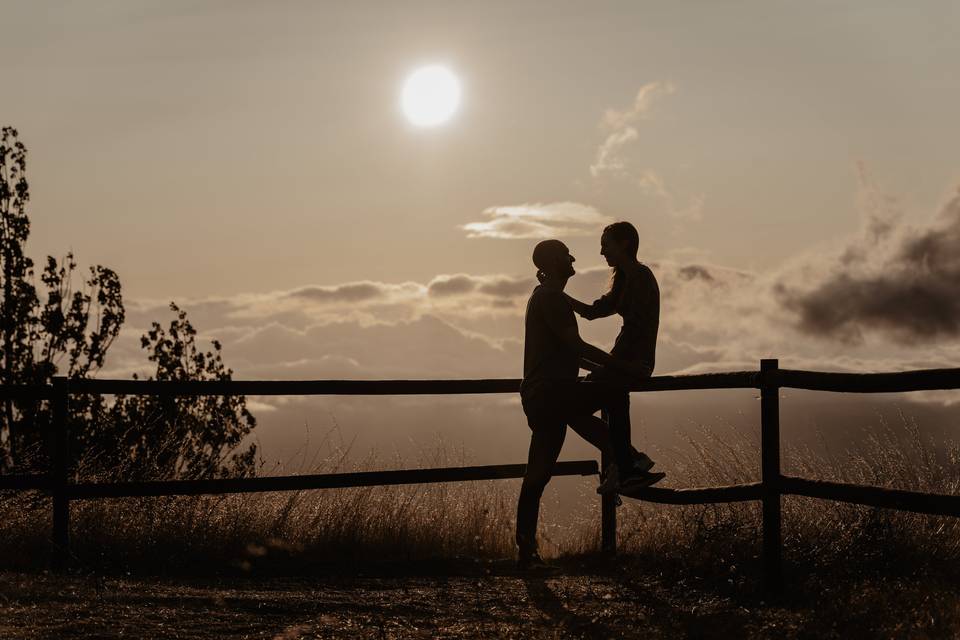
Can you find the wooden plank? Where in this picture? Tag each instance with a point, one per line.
(925, 379)
(608, 510)
(24, 391)
(323, 481)
(699, 495)
(58, 474)
(726, 380)
(298, 387)
(918, 380)
(734, 380)
(24, 482)
(915, 501)
(770, 474)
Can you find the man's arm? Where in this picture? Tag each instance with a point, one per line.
(571, 338)
(557, 314)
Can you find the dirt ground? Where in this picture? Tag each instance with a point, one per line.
(491, 601)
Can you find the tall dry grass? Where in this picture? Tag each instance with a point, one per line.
(815, 532)
(209, 533)
(475, 519)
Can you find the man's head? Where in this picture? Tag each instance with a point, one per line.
(553, 259)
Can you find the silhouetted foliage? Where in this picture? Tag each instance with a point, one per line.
(66, 329)
(200, 432)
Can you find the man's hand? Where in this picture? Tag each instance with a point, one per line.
(639, 370)
(590, 365)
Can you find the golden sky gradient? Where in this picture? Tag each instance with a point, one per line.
(791, 167)
(249, 146)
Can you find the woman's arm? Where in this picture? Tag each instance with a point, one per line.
(601, 307)
(582, 308)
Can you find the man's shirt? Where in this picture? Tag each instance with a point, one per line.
(546, 358)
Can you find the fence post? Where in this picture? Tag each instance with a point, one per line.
(608, 514)
(770, 473)
(58, 475)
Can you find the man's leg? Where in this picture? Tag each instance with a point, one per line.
(545, 444)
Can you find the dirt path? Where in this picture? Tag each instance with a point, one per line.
(498, 604)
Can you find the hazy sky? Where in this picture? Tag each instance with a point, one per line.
(223, 147)
(791, 167)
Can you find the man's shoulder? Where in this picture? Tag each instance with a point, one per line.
(544, 294)
(545, 301)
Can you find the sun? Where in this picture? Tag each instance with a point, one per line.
(430, 96)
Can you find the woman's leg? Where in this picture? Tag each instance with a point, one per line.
(592, 429)
(623, 438)
(591, 396)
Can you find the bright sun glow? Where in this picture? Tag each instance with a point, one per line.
(430, 96)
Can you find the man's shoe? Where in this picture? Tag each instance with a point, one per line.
(640, 481)
(533, 563)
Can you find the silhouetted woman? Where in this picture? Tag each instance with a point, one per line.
(635, 297)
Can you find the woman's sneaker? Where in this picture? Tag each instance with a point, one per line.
(641, 480)
(641, 461)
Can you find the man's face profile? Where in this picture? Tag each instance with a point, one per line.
(553, 258)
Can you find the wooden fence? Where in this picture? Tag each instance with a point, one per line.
(769, 380)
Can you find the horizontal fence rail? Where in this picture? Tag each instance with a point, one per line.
(295, 387)
(919, 380)
(915, 501)
(321, 481)
(700, 495)
(769, 379)
(26, 391)
(735, 380)
(24, 482)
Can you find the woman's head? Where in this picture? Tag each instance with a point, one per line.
(619, 244)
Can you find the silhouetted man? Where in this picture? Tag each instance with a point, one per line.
(551, 392)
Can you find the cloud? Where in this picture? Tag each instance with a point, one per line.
(353, 292)
(507, 287)
(451, 285)
(654, 185)
(621, 132)
(610, 159)
(640, 109)
(692, 271)
(282, 328)
(427, 347)
(896, 280)
(500, 286)
(534, 221)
